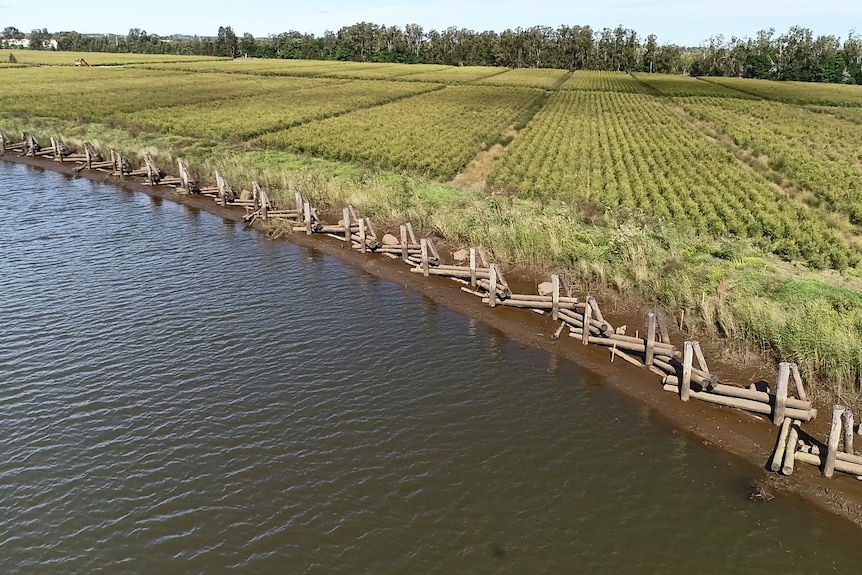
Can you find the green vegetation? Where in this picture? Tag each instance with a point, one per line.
(732, 208)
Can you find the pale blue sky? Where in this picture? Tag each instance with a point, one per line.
(673, 21)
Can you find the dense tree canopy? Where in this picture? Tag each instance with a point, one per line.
(795, 55)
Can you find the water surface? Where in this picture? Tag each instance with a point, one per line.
(180, 395)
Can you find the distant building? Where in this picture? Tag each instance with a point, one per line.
(25, 43)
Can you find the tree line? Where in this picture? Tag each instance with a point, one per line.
(793, 55)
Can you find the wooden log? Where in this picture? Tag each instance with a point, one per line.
(372, 233)
(744, 393)
(363, 245)
(848, 457)
(410, 233)
(345, 220)
(790, 450)
(797, 379)
(555, 297)
(833, 441)
(473, 276)
(781, 393)
(423, 244)
(300, 202)
(588, 312)
(685, 384)
(306, 211)
(847, 422)
(492, 282)
(462, 275)
(746, 404)
(626, 357)
(650, 340)
(405, 250)
(483, 256)
(546, 298)
(662, 327)
(698, 354)
(781, 446)
(432, 251)
(659, 348)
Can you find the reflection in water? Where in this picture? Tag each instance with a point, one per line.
(221, 402)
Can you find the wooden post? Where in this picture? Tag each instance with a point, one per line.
(847, 420)
(306, 209)
(555, 297)
(423, 244)
(89, 158)
(797, 378)
(685, 384)
(345, 219)
(2, 144)
(650, 342)
(790, 450)
(405, 249)
(299, 202)
(264, 201)
(411, 234)
(362, 246)
(781, 393)
(492, 280)
(781, 446)
(585, 334)
(834, 439)
(662, 327)
(698, 353)
(473, 268)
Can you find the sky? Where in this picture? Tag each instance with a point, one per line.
(684, 22)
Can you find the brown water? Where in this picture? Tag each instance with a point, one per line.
(179, 395)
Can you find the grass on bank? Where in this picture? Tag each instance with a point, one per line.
(790, 312)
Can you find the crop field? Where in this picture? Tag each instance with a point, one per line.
(817, 151)
(436, 133)
(672, 85)
(107, 93)
(629, 150)
(249, 116)
(531, 77)
(52, 58)
(600, 81)
(639, 141)
(795, 92)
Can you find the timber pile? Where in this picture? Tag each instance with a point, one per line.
(584, 319)
(837, 454)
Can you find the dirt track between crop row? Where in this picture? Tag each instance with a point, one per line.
(735, 437)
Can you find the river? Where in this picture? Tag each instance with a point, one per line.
(181, 395)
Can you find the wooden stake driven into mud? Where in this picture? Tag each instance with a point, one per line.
(363, 246)
(797, 379)
(306, 217)
(588, 312)
(781, 393)
(833, 441)
(847, 422)
(492, 281)
(685, 384)
(555, 297)
(650, 341)
(473, 268)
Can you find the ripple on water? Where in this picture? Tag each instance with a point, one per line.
(184, 396)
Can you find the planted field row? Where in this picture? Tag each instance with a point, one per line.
(674, 85)
(531, 77)
(54, 58)
(817, 151)
(242, 118)
(436, 133)
(600, 81)
(105, 93)
(796, 92)
(629, 150)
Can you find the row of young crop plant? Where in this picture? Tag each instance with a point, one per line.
(816, 93)
(820, 152)
(250, 116)
(545, 78)
(844, 112)
(111, 94)
(630, 150)
(676, 85)
(436, 133)
(601, 81)
(55, 58)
